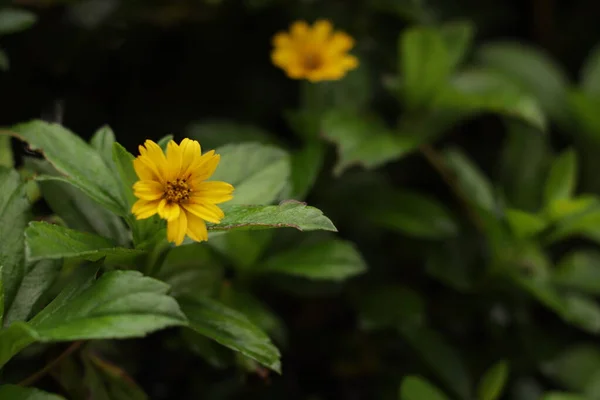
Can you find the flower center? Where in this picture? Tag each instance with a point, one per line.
(312, 61)
(177, 191)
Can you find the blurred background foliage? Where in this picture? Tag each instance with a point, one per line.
(459, 163)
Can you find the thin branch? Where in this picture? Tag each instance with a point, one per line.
(39, 374)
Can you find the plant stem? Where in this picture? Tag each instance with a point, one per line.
(39, 374)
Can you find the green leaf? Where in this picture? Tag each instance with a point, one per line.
(120, 304)
(417, 388)
(363, 140)
(103, 142)
(82, 166)
(288, 214)
(6, 154)
(14, 215)
(414, 214)
(562, 178)
(470, 179)
(493, 382)
(585, 223)
(164, 141)
(14, 392)
(523, 224)
(4, 61)
(458, 37)
(15, 20)
(107, 381)
(76, 209)
(216, 133)
(231, 329)
(441, 358)
(590, 73)
(579, 270)
(403, 307)
(48, 241)
(576, 366)
(242, 248)
(333, 259)
(258, 172)
(566, 208)
(584, 108)
(14, 339)
(533, 70)
(38, 278)
(306, 164)
(481, 90)
(425, 64)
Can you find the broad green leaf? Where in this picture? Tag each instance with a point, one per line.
(563, 396)
(120, 304)
(145, 229)
(306, 164)
(523, 224)
(493, 382)
(14, 392)
(590, 73)
(14, 339)
(533, 70)
(288, 214)
(257, 172)
(333, 259)
(38, 278)
(425, 64)
(231, 329)
(403, 307)
(562, 178)
(363, 140)
(470, 179)
(579, 270)
(15, 20)
(441, 358)
(76, 209)
(481, 90)
(414, 214)
(242, 248)
(4, 61)
(584, 108)
(14, 215)
(458, 37)
(103, 141)
(565, 208)
(48, 241)
(585, 223)
(216, 133)
(417, 388)
(82, 166)
(575, 367)
(6, 154)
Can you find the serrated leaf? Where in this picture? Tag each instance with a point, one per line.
(48, 241)
(14, 392)
(231, 329)
(425, 64)
(533, 70)
(258, 172)
(333, 259)
(14, 215)
(414, 214)
(82, 166)
(524, 224)
(493, 382)
(15, 20)
(417, 388)
(364, 140)
(579, 270)
(562, 178)
(288, 214)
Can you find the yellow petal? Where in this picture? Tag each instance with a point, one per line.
(143, 171)
(349, 62)
(282, 39)
(168, 211)
(156, 157)
(205, 166)
(143, 209)
(208, 212)
(299, 30)
(213, 192)
(191, 152)
(148, 190)
(196, 228)
(176, 229)
(340, 42)
(321, 30)
(174, 158)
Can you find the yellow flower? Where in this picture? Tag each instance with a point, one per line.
(316, 54)
(174, 187)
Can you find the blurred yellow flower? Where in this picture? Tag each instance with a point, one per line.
(316, 54)
(174, 187)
